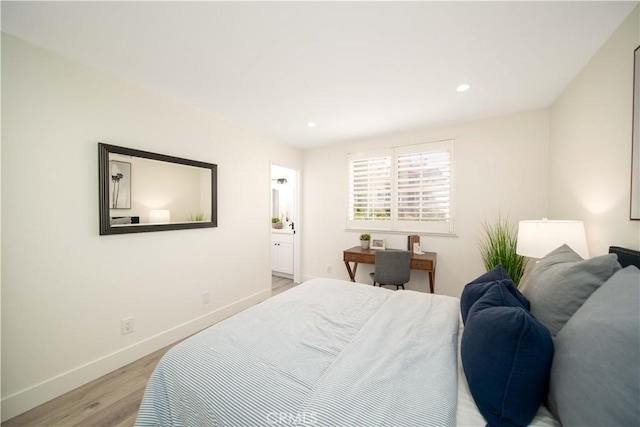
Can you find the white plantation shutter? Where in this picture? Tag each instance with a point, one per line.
(370, 190)
(425, 187)
(403, 189)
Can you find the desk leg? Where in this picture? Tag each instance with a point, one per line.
(352, 274)
(432, 283)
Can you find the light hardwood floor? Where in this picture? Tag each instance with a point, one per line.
(280, 284)
(110, 401)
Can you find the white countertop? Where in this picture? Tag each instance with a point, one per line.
(282, 230)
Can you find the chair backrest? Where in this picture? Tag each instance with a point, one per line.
(393, 267)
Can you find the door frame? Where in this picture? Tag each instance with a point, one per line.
(295, 216)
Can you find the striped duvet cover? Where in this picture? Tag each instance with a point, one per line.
(325, 353)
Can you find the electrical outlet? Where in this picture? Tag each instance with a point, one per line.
(126, 326)
(329, 268)
(206, 297)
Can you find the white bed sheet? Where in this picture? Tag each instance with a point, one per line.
(343, 354)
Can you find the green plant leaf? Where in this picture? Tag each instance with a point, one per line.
(498, 246)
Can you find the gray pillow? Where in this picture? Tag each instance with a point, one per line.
(595, 374)
(562, 281)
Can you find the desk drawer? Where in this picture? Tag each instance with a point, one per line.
(361, 258)
(352, 257)
(368, 259)
(421, 264)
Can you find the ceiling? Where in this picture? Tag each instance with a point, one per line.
(356, 69)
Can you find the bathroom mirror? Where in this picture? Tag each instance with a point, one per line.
(140, 191)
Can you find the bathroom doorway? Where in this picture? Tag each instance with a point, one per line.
(284, 223)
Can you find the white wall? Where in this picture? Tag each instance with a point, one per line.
(501, 168)
(64, 287)
(590, 149)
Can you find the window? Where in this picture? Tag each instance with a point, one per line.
(403, 189)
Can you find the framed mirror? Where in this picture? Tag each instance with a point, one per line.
(635, 150)
(140, 191)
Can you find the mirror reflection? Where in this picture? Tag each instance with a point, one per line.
(144, 191)
(282, 194)
(161, 192)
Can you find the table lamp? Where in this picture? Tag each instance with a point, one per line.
(536, 238)
(159, 216)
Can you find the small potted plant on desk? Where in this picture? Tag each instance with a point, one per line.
(364, 240)
(276, 223)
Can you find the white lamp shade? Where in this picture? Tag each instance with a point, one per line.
(538, 238)
(159, 216)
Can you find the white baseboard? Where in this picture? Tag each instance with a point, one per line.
(38, 394)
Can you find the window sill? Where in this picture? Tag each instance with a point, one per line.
(396, 232)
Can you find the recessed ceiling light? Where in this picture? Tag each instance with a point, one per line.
(311, 124)
(463, 87)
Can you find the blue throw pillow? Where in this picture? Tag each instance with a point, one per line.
(475, 289)
(506, 355)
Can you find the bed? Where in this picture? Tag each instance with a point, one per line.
(329, 353)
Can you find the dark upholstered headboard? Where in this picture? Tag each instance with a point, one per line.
(626, 256)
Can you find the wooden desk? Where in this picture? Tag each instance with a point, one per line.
(356, 255)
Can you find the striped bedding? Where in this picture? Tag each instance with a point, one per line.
(325, 353)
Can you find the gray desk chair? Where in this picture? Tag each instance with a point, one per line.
(393, 268)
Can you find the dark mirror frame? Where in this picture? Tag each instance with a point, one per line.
(104, 181)
(635, 140)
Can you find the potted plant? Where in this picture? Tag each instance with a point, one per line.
(196, 217)
(364, 240)
(276, 223)
(498, 246)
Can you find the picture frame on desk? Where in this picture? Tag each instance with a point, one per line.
(412, 241)
(377, 244)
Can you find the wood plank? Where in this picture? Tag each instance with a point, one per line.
(122, 411)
